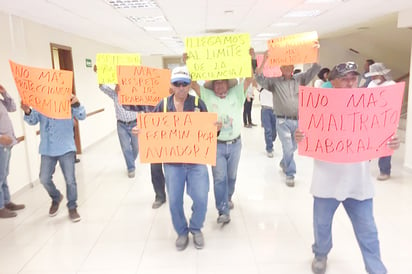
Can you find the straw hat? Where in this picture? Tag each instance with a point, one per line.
(377, 69)
(231, 83)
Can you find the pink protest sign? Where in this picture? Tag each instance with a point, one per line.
(348, 125)
(268, 71)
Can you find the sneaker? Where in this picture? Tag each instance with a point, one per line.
(131, 174)
(319, 265)
(158, 203)
(13, 206)
(383, 177)
(269, 154)
(198, 240)
(290, 181)
(7, 213)
(73, 215)
(181, 242)
(55, 207)
(231, 205)
(253, 125)
(223, 219)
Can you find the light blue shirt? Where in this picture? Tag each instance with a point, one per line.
(56, 135)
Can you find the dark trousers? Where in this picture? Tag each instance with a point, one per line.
(158, 181)
(247, 112)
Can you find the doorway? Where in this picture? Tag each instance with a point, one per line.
(62, 59)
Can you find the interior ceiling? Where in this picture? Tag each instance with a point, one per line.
(125, 27)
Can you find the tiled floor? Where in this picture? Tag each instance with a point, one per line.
(270, 232)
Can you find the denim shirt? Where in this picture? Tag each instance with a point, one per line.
(56, 135)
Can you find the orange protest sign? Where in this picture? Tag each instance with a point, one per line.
(46, 90)
(141, 85)
(178, 137)
(348, 125)
(268, 71)
(293, 49)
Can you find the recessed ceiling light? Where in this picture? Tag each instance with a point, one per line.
(303, 13)
(166, 28)
(284, 24)
(147, 19)
(127, 4)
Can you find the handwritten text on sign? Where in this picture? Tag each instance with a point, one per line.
(178, 137)
(107, 65)
(293, 49)
(46, 90)
(142, 85)
(219, 57)
(348, 125)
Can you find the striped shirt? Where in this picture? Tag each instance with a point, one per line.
(122, 114)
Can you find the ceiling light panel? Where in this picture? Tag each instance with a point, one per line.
(127, 4)
(302, 13)
(147, 19)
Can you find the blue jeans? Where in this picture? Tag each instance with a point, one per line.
(361, 216)
(224, 174)
(158, 181)
(269, 126)
(128, 143)
(5, 153)
(196, 178)
(385, 165)
(47, 169)
(286, 131)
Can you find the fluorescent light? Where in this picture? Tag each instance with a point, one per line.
(284, 24)
(267, 34)
(127, 4)
(158, 28)
(303, 13)
(147, 19)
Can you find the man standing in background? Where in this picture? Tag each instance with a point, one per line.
(7, 140)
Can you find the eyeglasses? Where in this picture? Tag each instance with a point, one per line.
(180, 84)
(346, 67)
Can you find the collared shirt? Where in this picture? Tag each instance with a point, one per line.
(56, 135)
(6, 128)
(121, 113)
(286, 91)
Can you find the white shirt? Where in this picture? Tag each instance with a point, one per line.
(342, 180)
(266, 98)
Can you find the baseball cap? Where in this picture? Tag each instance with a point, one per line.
(180, 74)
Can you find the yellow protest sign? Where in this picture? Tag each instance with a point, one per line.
(293, 49)
(107, 63)
(46, 90)
(141, 85)
(219, 57)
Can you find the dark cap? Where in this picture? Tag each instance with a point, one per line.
(343, 69)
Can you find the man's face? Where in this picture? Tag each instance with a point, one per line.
(287, 70)
(221, 87)
(180, 89)
(348, 81)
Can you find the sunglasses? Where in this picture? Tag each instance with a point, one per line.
(180, 84)
(343, 67)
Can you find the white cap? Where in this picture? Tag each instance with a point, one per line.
(180, 74)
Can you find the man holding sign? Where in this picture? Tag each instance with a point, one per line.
(57, 145)
(194, 177)
(349, 184)
(285, 91)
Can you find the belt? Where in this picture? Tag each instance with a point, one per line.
(287, 117)
(265, 107)
(127, 123)
(229, 142)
